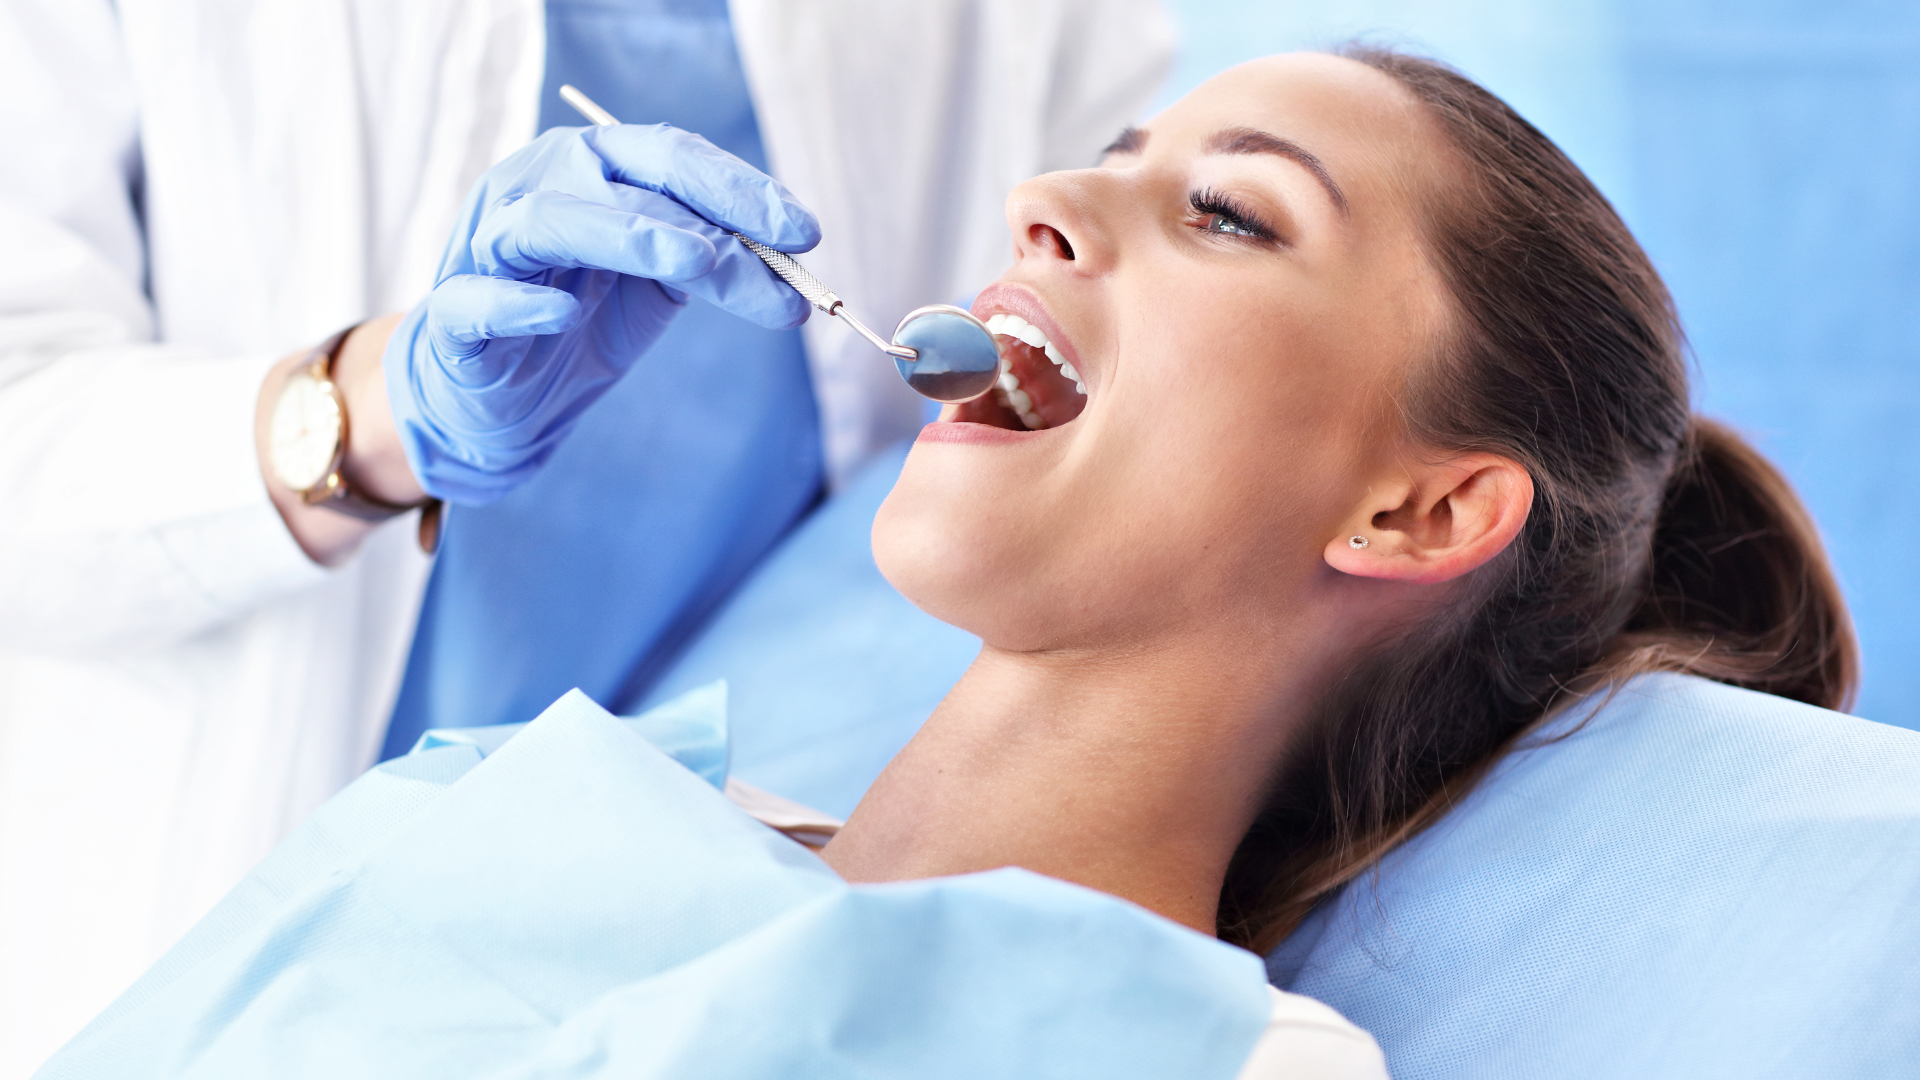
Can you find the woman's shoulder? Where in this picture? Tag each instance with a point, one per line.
(1308, 1040)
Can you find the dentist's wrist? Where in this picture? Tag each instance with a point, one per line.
(376, 463)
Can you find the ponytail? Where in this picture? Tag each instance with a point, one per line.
(1739, 589)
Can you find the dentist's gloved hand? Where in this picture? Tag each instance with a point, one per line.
(568, 261)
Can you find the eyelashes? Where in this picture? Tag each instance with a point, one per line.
(1224, 215)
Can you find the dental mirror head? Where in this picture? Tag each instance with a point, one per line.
(954, 357)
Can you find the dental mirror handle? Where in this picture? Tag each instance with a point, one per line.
(819, 295)
(779, 262)
(586, 106)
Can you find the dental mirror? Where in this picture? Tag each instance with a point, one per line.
(942, 351)
(955, 357)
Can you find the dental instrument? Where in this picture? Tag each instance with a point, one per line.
(942, 351)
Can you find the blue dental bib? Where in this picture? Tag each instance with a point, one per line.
(573, 902)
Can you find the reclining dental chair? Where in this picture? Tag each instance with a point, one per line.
(1699, 881)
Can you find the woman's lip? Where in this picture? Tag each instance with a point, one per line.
(961, 431)
(1020, 300)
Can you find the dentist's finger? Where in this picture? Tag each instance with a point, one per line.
(713, 183)
(738, 281)
(741, 284)
(468, 310)
(545, 230)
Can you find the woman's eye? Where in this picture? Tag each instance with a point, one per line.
(1226, 223)
(1224, 216)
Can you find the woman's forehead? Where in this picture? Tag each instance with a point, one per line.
(1353, 117)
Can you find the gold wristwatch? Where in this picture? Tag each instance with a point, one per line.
(308, 439)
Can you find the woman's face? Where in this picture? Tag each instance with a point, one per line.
(1242, 288)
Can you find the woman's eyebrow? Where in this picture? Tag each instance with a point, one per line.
(1252, 141)
(1131, 141)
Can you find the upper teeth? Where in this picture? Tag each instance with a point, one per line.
(1014, 326)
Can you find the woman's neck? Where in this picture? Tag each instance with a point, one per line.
(1134, 774)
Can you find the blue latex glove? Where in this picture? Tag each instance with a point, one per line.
(569, 259)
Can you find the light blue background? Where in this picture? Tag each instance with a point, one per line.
(1767, 154)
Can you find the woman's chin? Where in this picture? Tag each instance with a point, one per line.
(928, 564)
(953, 568)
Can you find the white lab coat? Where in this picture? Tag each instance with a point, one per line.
(190, 189)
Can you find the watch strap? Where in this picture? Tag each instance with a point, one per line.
(334, 493)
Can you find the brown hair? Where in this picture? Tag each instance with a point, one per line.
(1657, 540)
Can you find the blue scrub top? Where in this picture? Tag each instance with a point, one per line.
(672, 487)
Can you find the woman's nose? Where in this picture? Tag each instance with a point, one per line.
(1054, 217)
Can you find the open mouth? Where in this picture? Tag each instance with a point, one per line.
(1038, 388)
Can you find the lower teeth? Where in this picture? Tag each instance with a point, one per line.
(1016, 399)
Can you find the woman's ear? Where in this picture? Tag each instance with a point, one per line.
(1444, 520)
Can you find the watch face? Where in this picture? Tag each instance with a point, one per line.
(305, 432)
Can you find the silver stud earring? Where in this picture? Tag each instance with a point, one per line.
(1357, 542)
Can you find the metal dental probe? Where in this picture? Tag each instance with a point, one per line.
(953, 357)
